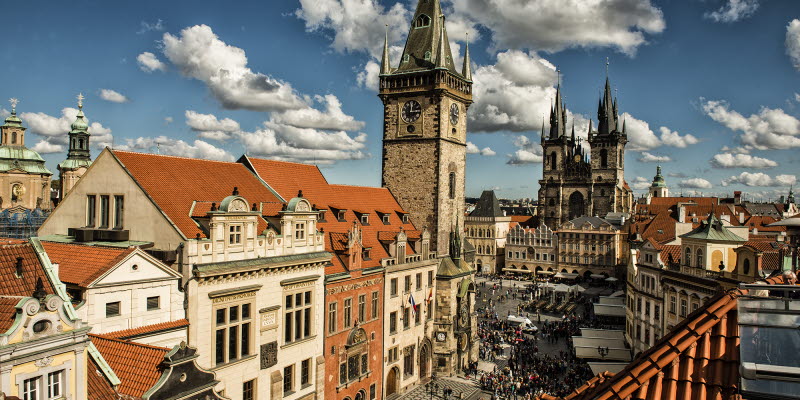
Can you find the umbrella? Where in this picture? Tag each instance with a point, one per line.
(611, 279)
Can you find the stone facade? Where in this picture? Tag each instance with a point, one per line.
(530, 251)
(486, 228)
(455, 329)
(591, 246)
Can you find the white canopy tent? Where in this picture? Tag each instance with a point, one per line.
(609, 310)
(603, 333)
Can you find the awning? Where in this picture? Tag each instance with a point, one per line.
(565, 275)
(603, 333)
(611, 279)
(597, 276)
(618, 293)
(608, 310)
(545, 272)
(466, 286)
(561, 288)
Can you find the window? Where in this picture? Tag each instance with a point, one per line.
(746, 266)
(672, 304)
(419, 281)
(342, 373)
(430, 278)
(364, 219)
(341, 215)
(452, 185)
(405, 218)
(232, 332)
(14, 138)
(427, 56)
(298, 316)
(365, 254)
(603, 158)
(119, 211)
(55, 386)
(374, 311)
(683, 307)
(104, 211)
(406, 318)
(305, 372)
(248, 392)
(422, 21)
(372, 392)
(364, 363)
(348, 304)
(657, 313)
(352, 367)
(332, 317)
(695, 306)
(235, 234)
(30, 388)
(407, 281)
(688, 258)
(408, 360)
(385, 218)
(153, 303)
(417, 314)
(299, 230)
(647, 309)
(700, 263)
(639, 304)
(362, 308)
(91, 209)
(112, 309)
(393, 287)
(393, 322)
(288, 380)
(392, 355)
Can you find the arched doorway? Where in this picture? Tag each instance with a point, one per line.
(424, 362)
(392, 381)
(576, 208)
(480, 266)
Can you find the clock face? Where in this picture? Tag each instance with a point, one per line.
(577, 158)
(441, 336)
(411, 111)
(454, 111)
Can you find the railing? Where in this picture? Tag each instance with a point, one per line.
(699, 272)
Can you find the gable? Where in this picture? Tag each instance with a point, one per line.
(142, 218)
(136, 267)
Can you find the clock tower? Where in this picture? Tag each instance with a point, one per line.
(425, 101)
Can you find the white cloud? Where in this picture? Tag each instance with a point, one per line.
(640, 183)
(696, 183)
(553, 25)
(279, 144)
(473, 149)
(209, 122)
(640, 136)
(148, 62)
(527, 152)
(677, 175)
(112, 96)
(147, 27)
(733, 10)
(737, 150)
(4, 113)
(45, 147)
(168, 120)
(332, 118)
(55, 129)
(200, 54)
(728, 160)
(793, 45)
(674, 139)
(769, 129)
(648, 157)
(173, 147)
(370, 77)
(760, 179)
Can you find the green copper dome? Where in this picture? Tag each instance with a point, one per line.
(80, 124)
(658, 180)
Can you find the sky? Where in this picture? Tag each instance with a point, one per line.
(709, 89)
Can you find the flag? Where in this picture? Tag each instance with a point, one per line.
(430, 295)
(413, 304)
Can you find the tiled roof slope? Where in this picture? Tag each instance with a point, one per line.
(81, 265)
(97, 385)
(8, 311)
(289, 178)
(32, 270)
(696, 360)
(174, 183)
(136, 364)
(487, 206)
(148, 329)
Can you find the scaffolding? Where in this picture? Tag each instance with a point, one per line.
(21, 224)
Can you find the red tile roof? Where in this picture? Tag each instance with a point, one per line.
(81, 265)
(289, 178)
(697, 360)
(673, 249)
(136, 364)
(97, 384)
(8, 312)
(32, 270)
(175, 183)
(133, 333)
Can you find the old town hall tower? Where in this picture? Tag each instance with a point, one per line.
(425, 100)
(574, 183)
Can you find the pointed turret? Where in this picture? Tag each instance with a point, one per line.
(78, 157)
(13, 133)
(442, 57)
(558, 116)
(386, 65)
(425, 37)
(466, 71)
(607, 112)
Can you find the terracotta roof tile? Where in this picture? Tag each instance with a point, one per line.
(32, 270)
(133, 333)
(136, 364)
(8, 312)
(673, 249)
(175, 183)
(80, 264)
(97, 384)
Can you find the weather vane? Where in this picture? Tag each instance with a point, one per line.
(13, 102)
(80, 100)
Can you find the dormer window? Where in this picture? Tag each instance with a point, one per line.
(365, 254)
(405, 218)
(422, 21)
(405, 58)
(321, 215)
(299, 231)
(235, 234)
(340, 215)
(385, 218)
(364, 219)
(427, 56)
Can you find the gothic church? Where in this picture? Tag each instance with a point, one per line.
(575, 183)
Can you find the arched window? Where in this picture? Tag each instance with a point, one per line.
(553, 160)
(746, 266)
(452, 185)
(80, 143)
(14, 138)
(422, 21)
(551, 202)
(700, 258)
(427, 56)
(602, 192)
(603, 158)
(688, 258)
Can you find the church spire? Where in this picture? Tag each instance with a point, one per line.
(466, 72)
(442, 59)
(607, 110)
(558, 114)
(386, 65)
(79, 135)
(426, 36)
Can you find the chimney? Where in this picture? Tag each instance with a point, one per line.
(741, 218)
(737, 197)
(19, 267)
(681, 213)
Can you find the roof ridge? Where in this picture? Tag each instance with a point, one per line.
(171, 156)
(133, 331)
(113, 339)
(358, 186)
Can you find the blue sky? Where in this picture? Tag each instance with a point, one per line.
(711, 88)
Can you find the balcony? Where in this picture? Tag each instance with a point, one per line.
(692, 271)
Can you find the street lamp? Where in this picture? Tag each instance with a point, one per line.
(603, 351)
(432, 387)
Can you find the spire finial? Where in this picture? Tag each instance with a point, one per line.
(558, 71)
(466, 71)
(607, 67)
(80, 101)
(13, 102)
(386, 67)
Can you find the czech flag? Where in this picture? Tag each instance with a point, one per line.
(412, 302)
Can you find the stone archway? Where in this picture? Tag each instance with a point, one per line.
(392, 381)
(576, 205)
(424, 361)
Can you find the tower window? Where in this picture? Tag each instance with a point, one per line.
(405, 58)
(603, 158)
(553, 160)
(452, 185)
(422, 21)
(14, 138)
(427, 56)
(80, 144)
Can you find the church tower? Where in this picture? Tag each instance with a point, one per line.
(425, 101)
(78, 157)
(659, 187)
(610, 192)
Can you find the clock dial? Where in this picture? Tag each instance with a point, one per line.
(577, 158)
(441, 336)
(411, 111)
(454, 112)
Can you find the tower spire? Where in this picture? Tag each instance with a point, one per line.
(441, 58)
(386, 66)
(466, 71)
(558, 114)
